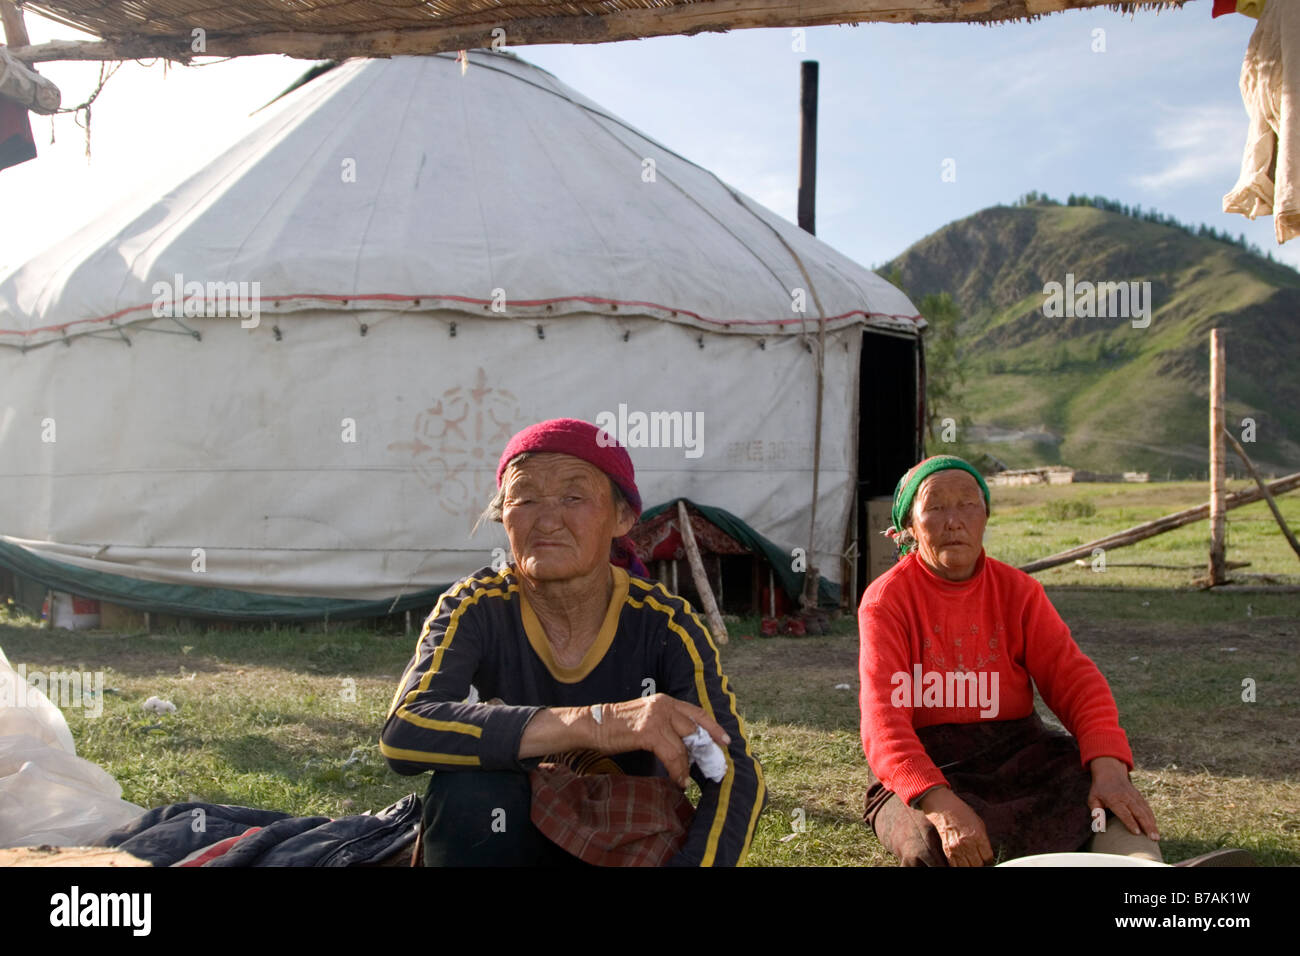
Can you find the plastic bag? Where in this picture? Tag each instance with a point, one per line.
(25, 710)
(49, 795)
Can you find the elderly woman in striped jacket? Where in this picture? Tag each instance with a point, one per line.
(596, 680)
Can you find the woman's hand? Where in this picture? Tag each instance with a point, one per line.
(656, 723)
(1112, 790)
(965, 840)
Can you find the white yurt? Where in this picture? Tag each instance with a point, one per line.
(279, 388)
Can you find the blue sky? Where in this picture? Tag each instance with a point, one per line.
(1156, 119)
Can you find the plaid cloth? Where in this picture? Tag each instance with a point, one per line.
(610, 819)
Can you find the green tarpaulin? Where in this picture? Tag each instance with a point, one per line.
(192, 601)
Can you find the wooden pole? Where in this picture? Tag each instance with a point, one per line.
(811, 574)
(15, 26)
(1150, 529)
(1218, 477)
(807, 221)
(716, 626)
(1263, 490)
(26, 87)
(853, 551)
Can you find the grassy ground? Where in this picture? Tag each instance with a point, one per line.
(287, 719)
(1217, 771)
(1034, 521)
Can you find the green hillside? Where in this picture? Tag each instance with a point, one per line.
(1096, 392)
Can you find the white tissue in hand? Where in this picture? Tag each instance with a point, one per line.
(706, 754)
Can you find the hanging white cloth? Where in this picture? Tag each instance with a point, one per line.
(1270, 89)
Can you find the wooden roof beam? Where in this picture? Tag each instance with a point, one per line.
(706, 16)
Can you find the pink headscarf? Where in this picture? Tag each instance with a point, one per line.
(570, 436)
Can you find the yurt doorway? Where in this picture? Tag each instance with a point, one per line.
(891, 417)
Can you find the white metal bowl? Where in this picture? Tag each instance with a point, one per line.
(1080, 859)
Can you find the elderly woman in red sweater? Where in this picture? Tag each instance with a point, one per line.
(952, 644)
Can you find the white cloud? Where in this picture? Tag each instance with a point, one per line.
(1202, 145)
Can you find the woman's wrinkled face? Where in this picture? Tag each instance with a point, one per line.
(948, 518)
(560, 517)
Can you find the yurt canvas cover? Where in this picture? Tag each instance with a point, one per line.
(280, 387)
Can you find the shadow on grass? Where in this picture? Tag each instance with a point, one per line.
(251, 751)
(354, 652)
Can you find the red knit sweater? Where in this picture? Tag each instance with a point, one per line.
(997, 623)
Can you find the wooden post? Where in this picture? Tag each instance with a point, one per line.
(15, 26)
(1218, 524)
(1263, 490)
(716, 625)
(853, 550)
(408, 623)
(717, 560)
(1150, 529)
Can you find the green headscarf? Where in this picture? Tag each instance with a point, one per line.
(908, 485)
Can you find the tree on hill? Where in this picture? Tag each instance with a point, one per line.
(945, 368)
(1151, 215)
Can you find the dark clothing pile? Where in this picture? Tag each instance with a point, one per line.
(211, 834)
